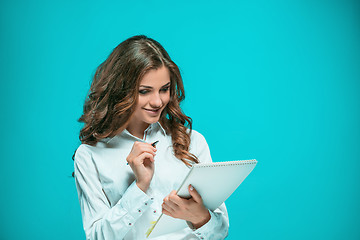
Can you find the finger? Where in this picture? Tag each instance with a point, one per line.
(138, 151)
(194, 194)
(173, 193)
(169, 202)
(172, 204)
(168, 208)
(166, 212)
(140, 147)
(147, 157)
(140, 160)
(174, 198)
(147, 145)
(145, 148)
(167, 197)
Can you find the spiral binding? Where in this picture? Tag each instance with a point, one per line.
(229, 163)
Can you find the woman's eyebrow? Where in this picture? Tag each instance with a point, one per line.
(168, 84)
(144, 86)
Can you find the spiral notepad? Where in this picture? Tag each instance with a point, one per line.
(215, 182)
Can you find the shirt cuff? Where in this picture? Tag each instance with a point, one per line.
(204, 232)
(135, 202)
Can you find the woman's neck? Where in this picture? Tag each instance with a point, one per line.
(137, 129)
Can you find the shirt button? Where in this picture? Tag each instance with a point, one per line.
(198, 233)
(201, 238)
(152, 199)
(146, 204)
(154, 211)
(139, 210)
(129, 224)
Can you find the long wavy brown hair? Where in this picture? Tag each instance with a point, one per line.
(114, 91)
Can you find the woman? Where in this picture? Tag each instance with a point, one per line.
(123, 181)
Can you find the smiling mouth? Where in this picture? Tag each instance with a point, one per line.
(152, 110)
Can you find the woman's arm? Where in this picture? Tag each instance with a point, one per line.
(205, 223)
(100, 220)
(217, 227)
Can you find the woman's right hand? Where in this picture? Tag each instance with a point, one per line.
(141, 161)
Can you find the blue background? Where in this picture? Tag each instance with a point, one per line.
(273, 80)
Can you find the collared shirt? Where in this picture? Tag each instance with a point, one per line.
(114, 207)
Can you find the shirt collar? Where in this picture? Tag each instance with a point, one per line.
(157, 126)
(125, 133)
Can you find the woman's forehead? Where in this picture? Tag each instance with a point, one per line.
(156, 77)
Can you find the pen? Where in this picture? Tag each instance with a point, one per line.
(153, 144)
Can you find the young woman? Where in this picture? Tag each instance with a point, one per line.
(125, 181)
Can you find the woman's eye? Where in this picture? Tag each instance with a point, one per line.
(143, 91)
(165, 89)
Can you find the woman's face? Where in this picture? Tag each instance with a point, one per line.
(154, 95)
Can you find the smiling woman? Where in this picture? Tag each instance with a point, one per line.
(153, 98)
(123, 181)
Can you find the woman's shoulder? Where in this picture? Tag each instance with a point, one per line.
(85, 147)
(83, 152)
(199, 147)
(197, 138)
(195, 134)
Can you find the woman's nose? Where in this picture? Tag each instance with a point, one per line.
(155, 101)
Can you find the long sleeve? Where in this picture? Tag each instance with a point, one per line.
(100, 220)
(218, 225)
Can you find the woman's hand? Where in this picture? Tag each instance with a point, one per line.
(141, 161)
(192, 210)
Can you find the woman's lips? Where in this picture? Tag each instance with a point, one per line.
(152, 111)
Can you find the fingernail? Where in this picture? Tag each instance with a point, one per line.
(191, 188)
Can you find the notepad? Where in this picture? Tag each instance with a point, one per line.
(215, 182)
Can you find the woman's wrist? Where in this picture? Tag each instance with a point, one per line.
(143, 186)
(202, 221)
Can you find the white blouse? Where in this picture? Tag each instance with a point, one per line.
(112, 205)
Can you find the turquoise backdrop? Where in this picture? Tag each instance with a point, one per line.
(273, 80)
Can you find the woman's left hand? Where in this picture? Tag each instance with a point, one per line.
(192, 210)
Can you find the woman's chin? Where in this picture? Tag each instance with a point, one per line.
(152, 120)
